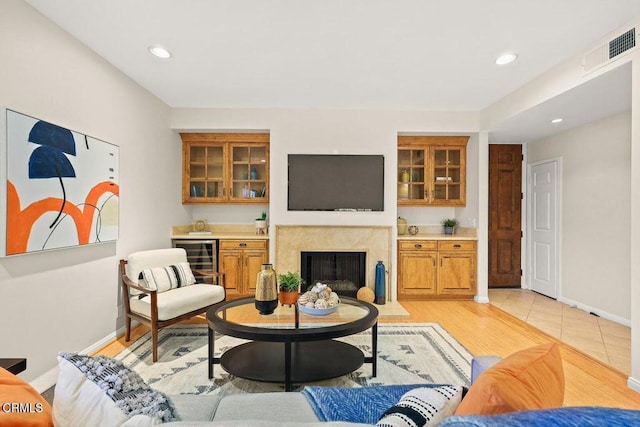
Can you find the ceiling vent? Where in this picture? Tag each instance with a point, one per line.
(609, 51)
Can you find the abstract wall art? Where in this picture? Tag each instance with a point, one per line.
(61, 187)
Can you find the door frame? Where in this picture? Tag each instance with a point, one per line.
(558, 224)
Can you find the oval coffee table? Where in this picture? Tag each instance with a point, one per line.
(288, 346)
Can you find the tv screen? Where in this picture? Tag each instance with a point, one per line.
(331, 182)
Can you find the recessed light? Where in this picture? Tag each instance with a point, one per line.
(507, 58)
(558, 120)
(160, 52)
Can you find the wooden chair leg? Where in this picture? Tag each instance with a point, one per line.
(154, 341)
(127, 336)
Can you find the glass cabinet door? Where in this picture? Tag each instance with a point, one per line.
(411, 174)
(448, 176)
(249, 171)
(206, 172)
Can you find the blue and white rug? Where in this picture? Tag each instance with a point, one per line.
(408, 353)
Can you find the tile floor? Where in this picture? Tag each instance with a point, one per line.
(603, 339)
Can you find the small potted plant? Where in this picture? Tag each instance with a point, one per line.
(289, 287)
(449, 224)
(261, 224)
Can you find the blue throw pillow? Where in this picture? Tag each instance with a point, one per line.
(587, 416)
(358, 404)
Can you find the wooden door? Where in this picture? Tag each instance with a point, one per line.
(253, 260)
(456, 272)
(230, 263)
(505, 215)
(417, 274)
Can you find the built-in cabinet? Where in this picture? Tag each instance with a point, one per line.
(225, 168)
(436, 269)
(240, 261)
(432, 170)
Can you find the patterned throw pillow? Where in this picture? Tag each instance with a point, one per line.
(162, 279)
(422, 407)
(102, 391)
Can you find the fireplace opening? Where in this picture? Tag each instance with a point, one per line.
(344, 272)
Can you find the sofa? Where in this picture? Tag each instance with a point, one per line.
(523, 389)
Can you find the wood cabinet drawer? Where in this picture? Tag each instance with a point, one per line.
(243, 244)
(457, 245)
(417, 245)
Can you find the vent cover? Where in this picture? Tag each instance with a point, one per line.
(608, 52)
(622, 43)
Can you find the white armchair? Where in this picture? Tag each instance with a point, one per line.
(159, 289)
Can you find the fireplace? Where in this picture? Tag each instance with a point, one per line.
(344, 272)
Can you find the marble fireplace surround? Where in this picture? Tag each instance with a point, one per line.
(375, 241)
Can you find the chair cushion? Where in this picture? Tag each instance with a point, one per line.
(196, 407)
(526, 380)
(164, 279)
(179, 301)
(260, 406)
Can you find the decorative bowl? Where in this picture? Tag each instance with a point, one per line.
(317, 311)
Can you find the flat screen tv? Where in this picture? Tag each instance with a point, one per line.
(332, 182)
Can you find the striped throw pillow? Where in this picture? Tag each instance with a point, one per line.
(162, 279)
(422, 407)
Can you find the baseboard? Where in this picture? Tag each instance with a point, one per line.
(633, 384)
(596, 311)
(481, 300)
(47, 380)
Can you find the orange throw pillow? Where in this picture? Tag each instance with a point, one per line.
(527, 380)
(21, 404)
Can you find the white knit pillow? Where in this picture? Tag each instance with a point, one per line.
(422, 407)
(101, 391)
(162, 279)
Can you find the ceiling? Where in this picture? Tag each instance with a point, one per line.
(596, 99)
(357, 54)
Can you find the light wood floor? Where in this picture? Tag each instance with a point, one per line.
(485, 329)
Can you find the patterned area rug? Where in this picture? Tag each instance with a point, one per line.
(407, 354)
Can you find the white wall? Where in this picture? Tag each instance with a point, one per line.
(67, 300)
(596, 209)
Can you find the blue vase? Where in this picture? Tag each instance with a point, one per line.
(254, 173)
(380, 274)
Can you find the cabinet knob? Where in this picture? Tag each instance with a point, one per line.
(418, 245)
(242, 245)
(457, 246)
